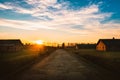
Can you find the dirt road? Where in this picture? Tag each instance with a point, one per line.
(61, 65)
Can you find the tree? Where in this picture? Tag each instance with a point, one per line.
(63, 45)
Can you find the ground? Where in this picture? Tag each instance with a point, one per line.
(62, 65)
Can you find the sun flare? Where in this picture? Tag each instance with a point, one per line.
(39, 42)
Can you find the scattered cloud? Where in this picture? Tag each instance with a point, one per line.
(54, 15)
(27, 25)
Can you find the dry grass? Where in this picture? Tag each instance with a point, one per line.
(10, 62)
(92, 52)
(108, 60)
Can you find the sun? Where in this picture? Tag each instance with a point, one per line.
(39, 42)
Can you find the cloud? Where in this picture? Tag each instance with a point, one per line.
(3, 6)
(41, 2)
(27, 25)
(59, 16)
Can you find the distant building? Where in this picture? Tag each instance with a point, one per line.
(85, 46)
(10, 45)
(108, 45)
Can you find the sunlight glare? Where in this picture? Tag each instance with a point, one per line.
(39, 41)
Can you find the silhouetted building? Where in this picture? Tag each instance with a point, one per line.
(10, 45)
(85, 46)
(108, 45)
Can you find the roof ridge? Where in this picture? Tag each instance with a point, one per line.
(9, 39)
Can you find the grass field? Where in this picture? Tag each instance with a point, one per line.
(10, 62)
(108, 60)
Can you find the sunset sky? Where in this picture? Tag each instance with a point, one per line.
(59, 20)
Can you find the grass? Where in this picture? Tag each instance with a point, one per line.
(17, 55)
(108, 60)
(10, 62)
(92, 52)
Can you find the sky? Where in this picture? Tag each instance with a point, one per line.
(81, 21)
